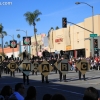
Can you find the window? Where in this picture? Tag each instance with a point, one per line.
(77, 35)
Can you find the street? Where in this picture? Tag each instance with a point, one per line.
(72, 89)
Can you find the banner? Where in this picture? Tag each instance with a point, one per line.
(26, 40)
(13, 44)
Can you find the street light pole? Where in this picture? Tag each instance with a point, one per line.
(13, 40)
(92, 22)
(26, 45)
(93, 29)
(13, 46)
(26, 37)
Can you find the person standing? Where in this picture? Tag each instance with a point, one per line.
(19, 92)
(80, 76)
(25, 78)
(0, 70)
(46, 78)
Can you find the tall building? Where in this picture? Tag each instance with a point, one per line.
(75, 40)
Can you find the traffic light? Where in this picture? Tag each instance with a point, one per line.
(96, 51)
(64, 22)
(95, 43)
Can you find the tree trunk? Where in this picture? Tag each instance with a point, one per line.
(35, 41)
(2, 45)
(19, 46)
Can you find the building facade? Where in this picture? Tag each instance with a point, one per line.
(40, 44)
(75, 40)
(9, 51)
(22, 48)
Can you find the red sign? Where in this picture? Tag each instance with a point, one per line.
(59, 40)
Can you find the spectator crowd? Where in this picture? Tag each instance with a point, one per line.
(7, 93)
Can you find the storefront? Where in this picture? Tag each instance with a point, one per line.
(76, 53)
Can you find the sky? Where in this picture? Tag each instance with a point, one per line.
(12, 15)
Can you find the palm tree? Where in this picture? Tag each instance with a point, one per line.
(49, 31)
(6, 43)
(52, 28)
(2, 34)
(0, 45)
(32, 18)
(18, 36)
(35, 30)
(48, 34)
(57, 28)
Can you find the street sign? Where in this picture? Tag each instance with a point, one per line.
(96, 49)
(12, 66)
(83, 66)
(64, 66)
(25, 67)
(1, 58)
(45, 68)
(93, 35)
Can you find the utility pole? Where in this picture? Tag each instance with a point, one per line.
(13, 46)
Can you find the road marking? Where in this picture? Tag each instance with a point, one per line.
(66, 91)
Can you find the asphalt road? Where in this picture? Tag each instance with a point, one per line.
(73, 89)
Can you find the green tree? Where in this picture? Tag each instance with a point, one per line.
(2, 34)
(35, 30)
(49, 31)
(18, 36)
(48, 34)
(6, 43)
(57, 28)
(52, 28)
(32, 18)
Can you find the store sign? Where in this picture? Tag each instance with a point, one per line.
(59, 40)
(68, 47)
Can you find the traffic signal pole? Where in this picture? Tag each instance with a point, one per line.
(80, 27)
(88, 31)
(13, 46)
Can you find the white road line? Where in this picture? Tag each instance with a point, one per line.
(66, 91)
